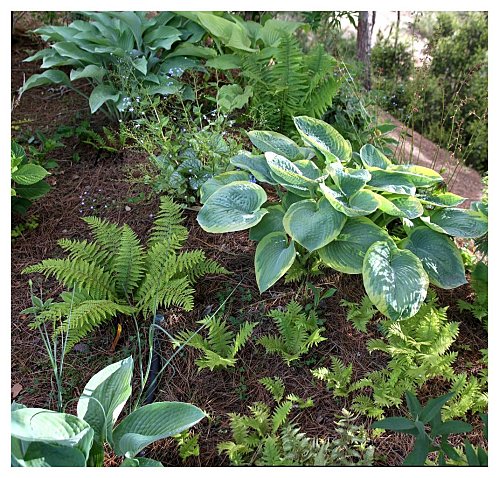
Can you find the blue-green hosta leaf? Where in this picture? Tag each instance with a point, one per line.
(104, 396)
(269, 141)
(362, 203)
(90, 71)
(256, 165)
(39, 454)
(372, 157)
(308, 153)
(391, 182)
(216, 182)
(162, 36)
(324, 138)
(233, 97)
(46, 78)
(151, 423)
(273, 257)
(100, 94)
(225, 62)
(439, 255)
(271, 222)
(400, 206)
(29, 425)
(419, 175)
(70, 49)
(442, 199)
(140, 64)
(233, 207)
(29, 174)
(313, 224)
(480, 207)
(141, 462)
(287, 173)
(458, 222)
(309, 169)
(346, 253)
(349, 181)
(395, 280)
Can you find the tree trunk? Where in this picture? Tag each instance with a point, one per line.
(364, 32)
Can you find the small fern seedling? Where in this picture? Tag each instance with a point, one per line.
(298, 332)
(337, 378)
(359, 314)
(220, 346)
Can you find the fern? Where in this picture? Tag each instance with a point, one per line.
(220, 346)
(275, 386)
(470, 395)
(337, 378)
(359, 315)
(114, 275)
(480, 284)
(297, 333)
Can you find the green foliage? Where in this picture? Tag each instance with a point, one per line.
(114, 274)
(480, 285)
(46, 438)
(391, 60)
(356, 214)
(359, 314)
(431, 431)
(221, 344)
(187, 444)
(298, 332)
(337, 377)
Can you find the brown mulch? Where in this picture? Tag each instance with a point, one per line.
(98, 185)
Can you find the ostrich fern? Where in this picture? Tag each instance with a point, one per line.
(115, 274)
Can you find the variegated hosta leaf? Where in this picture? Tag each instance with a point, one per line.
(286, 172)
(419, 175)
(276, 143)
(313, 224)
(346, 253)
(458, 222)
(349, 181)
(324, 138)
(271, 222)
(395, 280)
(442, 199)
(391, 182)
(362, 203)
(439, 255)
(400, 206)
(233, 207)
(372, 157)
(273, 257)
(255, 164)
(216, 182)
(308, 168)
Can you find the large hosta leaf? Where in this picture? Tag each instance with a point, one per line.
(216, 182)
(271, 222)
(100, 94)
(313, 224)
(346, 253)
(362, 203)
(255, 164)
(419, 175)
(151, 423)
(442, 199)
(46, 78)
(233, 207)
(308, 168)
(273, 257)
(372, 157)
(286, 172)
(400, 206)
(439, 255)
(349, 181)
(323, 138)
(276, 143)
(395, 280)
(391, 182)
(104, 397)
(459, 222)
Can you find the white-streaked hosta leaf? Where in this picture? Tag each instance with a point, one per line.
(29, 173)
(442, 199)
(362, 203)
(233, 207)
(308, 153)
(313, 224)
(255, 164)
(420, 176)
(100, 94)
(269, 141)
(349, 181)
(271, 222)
(274, 255)
(391, 182)
(104, 396)
(395, 280)
(46, 78)
(286, 172)
(90, 71)
(459, 222)
(439, 255)
(372, 157)
(324, 138)
(346, 253)
(400, 206)
(216, 182)
(151, 423)
(308, 168)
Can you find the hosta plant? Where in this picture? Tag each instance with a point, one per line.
(359, 214)
(42, 437)
(115, 275)
(122, 55)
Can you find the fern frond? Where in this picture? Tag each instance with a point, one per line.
(212, 360)
(167, 225)
(270, 453)
(280, 415)
(204, 268)
(105, 233)
(275, 386)
(242, 336)
(87, 251)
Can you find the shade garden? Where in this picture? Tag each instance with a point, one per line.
(207, 272)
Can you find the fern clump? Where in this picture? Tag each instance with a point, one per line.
(337, 378)
(480, 285)
(359, 314)
(114, 274)
(298, 332)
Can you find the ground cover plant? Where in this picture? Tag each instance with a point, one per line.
(257, 277)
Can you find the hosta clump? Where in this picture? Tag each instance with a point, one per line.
(359, 214)
(115, 274)
(42, 437)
